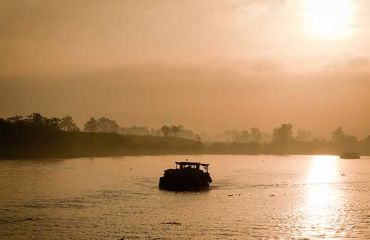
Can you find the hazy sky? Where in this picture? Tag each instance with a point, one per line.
(208, 65)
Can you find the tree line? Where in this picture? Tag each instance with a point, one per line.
(282, 140)
(37, 135)
(93, 125)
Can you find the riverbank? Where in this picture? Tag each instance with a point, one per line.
(61, 144)
(36, 136)
(80, 144)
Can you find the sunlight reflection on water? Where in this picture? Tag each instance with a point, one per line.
(323, 198)
(323, 169)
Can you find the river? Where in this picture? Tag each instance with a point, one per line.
(251, 197)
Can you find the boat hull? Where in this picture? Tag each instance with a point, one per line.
(184, 180)
(350, 156)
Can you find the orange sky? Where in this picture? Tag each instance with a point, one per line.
(208, 65)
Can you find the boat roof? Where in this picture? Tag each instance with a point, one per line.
(192, 163)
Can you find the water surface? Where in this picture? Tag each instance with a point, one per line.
(251, 197)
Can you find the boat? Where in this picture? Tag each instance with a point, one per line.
(350, 155)
(187, 176)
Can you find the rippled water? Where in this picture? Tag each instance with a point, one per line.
(252, 197)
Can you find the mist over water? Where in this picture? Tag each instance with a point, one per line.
(251, 197)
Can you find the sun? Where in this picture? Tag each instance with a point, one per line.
(328, 19)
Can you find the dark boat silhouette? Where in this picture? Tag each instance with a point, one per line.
(188, 176)
(350, 155)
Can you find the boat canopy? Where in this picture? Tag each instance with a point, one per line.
(196, 165)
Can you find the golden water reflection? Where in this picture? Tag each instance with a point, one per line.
(323, 169)
(323, 200)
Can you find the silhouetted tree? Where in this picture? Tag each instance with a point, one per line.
(35, 119)
(91, 125)
(175, 130)
(366, 145)
(14, 119)
(255, 135)
(283, 134)
(53, 122)
(155, 132)
(38, 122)
(107, 125)
(67, 124)
(243, 137)
(166, 130)
(338, 135)
(344, 142)
(367, 140)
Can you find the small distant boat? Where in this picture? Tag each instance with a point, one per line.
(350, 155)
(188, 176)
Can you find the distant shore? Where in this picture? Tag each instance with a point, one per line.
(62, 144)
(37, 136)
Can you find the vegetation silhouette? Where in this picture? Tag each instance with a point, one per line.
(37, 136)
(67, 124)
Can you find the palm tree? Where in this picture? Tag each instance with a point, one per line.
(15, 119)
(35, 118)
(67, 124)
(91, 125)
